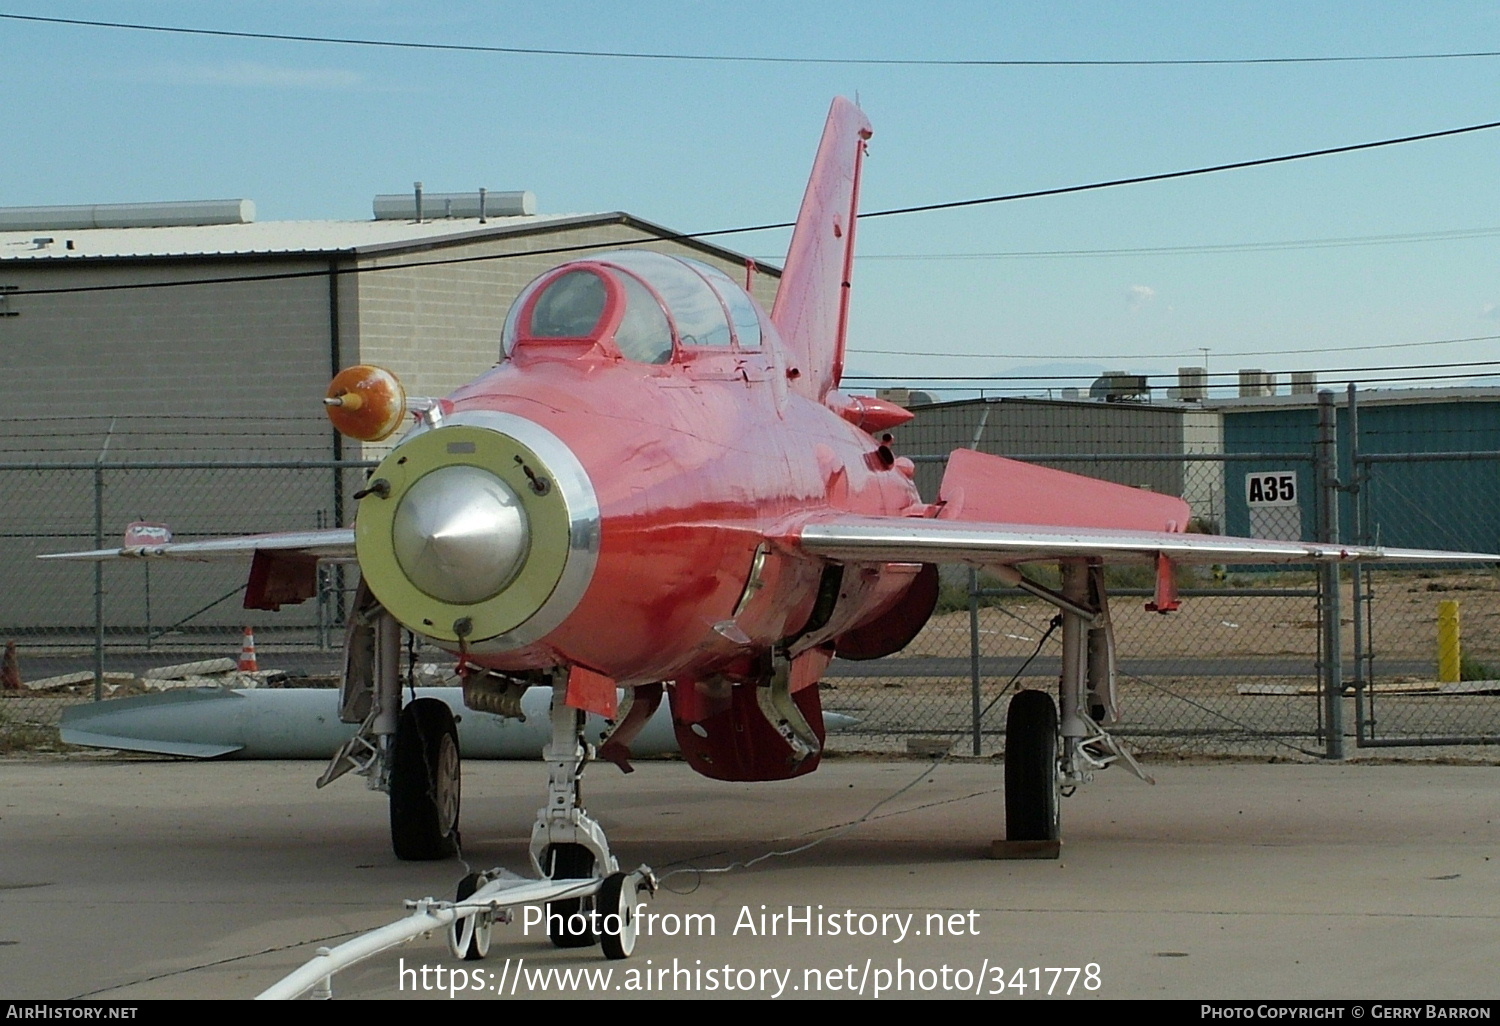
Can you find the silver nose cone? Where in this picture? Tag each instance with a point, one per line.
(460, 534)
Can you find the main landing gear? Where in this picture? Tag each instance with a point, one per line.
(1031, 773)
(1051, 749)
(425, 783)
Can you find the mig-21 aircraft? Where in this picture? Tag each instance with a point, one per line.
(662, 492)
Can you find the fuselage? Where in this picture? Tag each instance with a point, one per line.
(693, 465)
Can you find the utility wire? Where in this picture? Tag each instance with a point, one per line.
(1167, 176)
(754, 59)
(977, 384)
(1200, 248)
(1164, 356)
(1223, 376)
(954, 383)
(995, 382)
(684, 236)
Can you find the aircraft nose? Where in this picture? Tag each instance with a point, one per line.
(461, 534)
(482, 532)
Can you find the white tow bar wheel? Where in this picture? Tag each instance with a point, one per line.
(469, 938)
(617, 903)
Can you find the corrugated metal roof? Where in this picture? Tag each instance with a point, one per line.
(268, 237)
(1242, 404)
(1367, 397)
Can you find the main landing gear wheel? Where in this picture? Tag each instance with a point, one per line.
(617, 901)
(570, 923)
(1031, 784)
(425, 783)
(469, 939)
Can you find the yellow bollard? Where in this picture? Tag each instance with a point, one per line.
(1450, 647)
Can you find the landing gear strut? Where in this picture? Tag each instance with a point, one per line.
(1051, 749)
(568, 844)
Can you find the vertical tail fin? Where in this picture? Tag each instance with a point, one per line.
(812, 303)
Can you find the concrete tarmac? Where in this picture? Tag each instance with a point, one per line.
(136, 879)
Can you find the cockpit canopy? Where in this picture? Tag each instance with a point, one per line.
(647, 305)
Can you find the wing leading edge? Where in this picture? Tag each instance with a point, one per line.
(863, 539)
(283, 566)
(336, 544)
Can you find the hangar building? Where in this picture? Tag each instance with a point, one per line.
(166, 340)
(195, 328)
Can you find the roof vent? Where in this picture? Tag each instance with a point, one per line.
(1192, 384)
(1117, 386)
(1255, 382)
(175, 214)
(483, 203)
(907, 397)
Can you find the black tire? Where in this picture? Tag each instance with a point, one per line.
(425, 783)
(617, 897)
(570, 862)
(1031, 791)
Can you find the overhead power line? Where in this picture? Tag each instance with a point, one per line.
(286, 37)
(1337, 381)
(1476, 367)
(1167, 356)
(721, 232)
(1201, 248)
(998, 384)
(1168, 175)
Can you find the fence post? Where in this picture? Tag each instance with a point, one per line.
(1363, 666)
(99, 582)
(1326, 468)
(974, 654)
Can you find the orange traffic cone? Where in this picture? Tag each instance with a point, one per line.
(247, 653)
(10, 673)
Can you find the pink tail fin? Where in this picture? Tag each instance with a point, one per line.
(812, 304)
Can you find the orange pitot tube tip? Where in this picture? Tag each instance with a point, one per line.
(366, 403)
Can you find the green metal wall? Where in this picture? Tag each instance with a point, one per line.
(1425, 504)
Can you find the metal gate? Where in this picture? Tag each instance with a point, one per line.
(1427, 642)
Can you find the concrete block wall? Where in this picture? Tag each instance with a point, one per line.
(198, 370)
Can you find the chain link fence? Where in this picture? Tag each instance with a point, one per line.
(1238, 670)
(1235, 671)
(1448, 500)
(85, 631)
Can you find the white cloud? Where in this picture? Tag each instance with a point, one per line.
(252, 75)
(1491, 311)
(1138, 296)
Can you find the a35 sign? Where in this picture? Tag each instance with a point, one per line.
(1271, 488)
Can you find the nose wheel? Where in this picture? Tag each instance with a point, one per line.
(425, 783)
(571, 921)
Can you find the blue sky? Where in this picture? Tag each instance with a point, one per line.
(314, 131)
